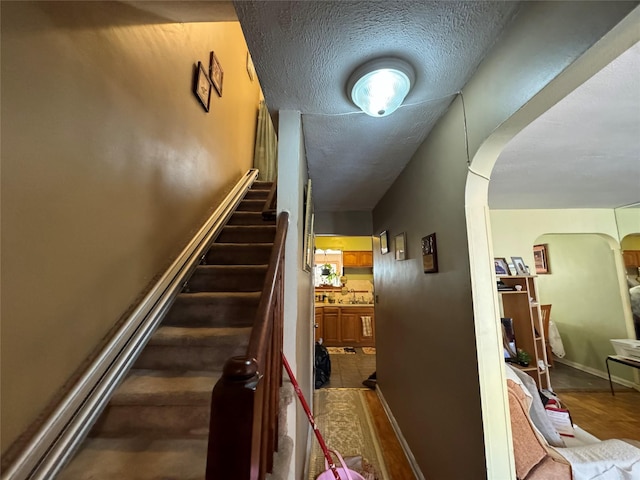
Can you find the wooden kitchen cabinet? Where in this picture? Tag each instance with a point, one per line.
(631, 258)
(319, 324)
(357, 258)
(343, 326)
(331, 325)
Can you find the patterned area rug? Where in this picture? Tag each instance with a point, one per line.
(341, 350)
(345, 423)
(369, 350)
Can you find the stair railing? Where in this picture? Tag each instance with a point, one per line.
(243, 429)
(269, 210)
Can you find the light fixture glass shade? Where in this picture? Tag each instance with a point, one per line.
(379, 87)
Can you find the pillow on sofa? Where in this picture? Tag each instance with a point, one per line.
(537, 412)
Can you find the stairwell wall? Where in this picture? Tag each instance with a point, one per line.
(109, 165)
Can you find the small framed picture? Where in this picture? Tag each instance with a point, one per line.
(501, 266)
(401, 246)
(215, 73)
(541, 259)
(202, 87)
(521, 268)
(384, 242)
(429, 254)
(251, 70)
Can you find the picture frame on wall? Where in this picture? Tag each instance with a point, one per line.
(429, 254)
(521, 268)
(501, 266)
(384, 242)
(202, 87)
(541, 258)
(400, 246)
(216, 73)
(307, 249)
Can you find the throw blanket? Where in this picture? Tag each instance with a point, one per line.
(367, 329)
(606, 460)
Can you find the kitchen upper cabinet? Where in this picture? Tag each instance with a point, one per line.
(357, 258)
(631, 258)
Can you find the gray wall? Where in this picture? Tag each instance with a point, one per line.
(427, 366)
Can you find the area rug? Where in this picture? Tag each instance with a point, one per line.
(341, 350)
(369, 350)
(345, 422)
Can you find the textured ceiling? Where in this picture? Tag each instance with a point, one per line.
(304, 53)
(582, 153)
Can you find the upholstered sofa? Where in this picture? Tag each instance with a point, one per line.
(541, 454)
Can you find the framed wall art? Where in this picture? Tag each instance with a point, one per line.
(202, 87)
(541, 258)
(307, 250)
(216, 73)
(400, 246)
(384, 242)
(429, 254)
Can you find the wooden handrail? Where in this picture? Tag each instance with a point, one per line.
(243, 428)
(269, 210)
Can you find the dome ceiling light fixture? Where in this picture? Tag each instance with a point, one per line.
(380, 86)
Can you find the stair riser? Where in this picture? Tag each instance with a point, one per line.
(226, 280)
(156, 420)
(238, 254)
(247, 234)
(256, 195)
(161, 357)
(249, 218)
(241, 314)
(250, 206)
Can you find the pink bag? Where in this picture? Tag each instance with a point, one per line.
(344, 472)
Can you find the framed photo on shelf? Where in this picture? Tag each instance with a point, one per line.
(202, 87)
(429, 254)
(400, 246)
(521, 268)
(501, 266)
(384, 242)
(541, 258)
(216, 73)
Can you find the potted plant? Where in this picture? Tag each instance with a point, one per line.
(523, 358)
(328, 274)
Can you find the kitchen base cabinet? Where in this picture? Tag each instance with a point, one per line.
(345, 326)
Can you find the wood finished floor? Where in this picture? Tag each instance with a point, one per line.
(592, 406)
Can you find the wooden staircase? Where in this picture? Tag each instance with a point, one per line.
(156, 423)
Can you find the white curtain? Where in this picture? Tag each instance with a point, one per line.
(265, 156)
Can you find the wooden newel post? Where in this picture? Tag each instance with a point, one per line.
(235, 422)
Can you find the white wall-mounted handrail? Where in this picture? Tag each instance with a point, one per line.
(60, 435)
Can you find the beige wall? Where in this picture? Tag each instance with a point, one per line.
(584, 292)
(108, 164)
(631, 242)
(628, 220)
(514, 232)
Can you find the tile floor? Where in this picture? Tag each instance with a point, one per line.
(349, 370)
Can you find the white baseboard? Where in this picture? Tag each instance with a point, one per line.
(597, 373)
(403, 442)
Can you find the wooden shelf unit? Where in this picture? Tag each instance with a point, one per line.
(523, 307)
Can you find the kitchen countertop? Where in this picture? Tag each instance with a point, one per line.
(344, 304)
